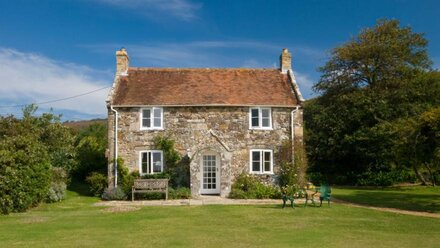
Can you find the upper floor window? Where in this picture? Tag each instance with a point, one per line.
(151, 118)
(260, 118)
(151, 162)
(261, 161)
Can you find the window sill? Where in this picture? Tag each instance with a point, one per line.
(145, 174)
(261, 128)
(259, 173)
(152, 129)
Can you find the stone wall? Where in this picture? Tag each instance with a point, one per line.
(222, 130)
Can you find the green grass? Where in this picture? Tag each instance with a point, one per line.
(416, 198)
(76, 223)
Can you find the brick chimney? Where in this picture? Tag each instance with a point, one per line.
(122, 62)
(285, 61)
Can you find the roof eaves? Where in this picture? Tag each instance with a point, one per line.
(202, 105)
(295, 87)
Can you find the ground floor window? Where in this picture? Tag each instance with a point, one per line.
(261, 161)
(151, 162)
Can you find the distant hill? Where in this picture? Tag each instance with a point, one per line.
(78, 125)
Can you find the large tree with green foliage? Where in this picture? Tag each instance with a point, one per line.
(29, 148)
(91, 143)
(381, 75)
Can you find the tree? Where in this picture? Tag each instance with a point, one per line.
(383, 56)
(381, 75)
(417, 144)
(91, 144)
(30, 149)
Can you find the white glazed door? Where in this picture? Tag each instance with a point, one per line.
(210, 174)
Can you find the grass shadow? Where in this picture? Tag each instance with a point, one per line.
(395, 198)
(79, 187)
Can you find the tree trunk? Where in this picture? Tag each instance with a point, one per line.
(419, 176)
(415, 160)
(431, 174)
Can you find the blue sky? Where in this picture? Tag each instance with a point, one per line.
(61, 48)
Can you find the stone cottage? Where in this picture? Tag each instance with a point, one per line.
(226, 120)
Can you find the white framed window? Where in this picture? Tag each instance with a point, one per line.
(150, 162)
(261, 161)
(151, 118)
(260, 118)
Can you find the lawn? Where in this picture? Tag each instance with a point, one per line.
(76, 223)
(417, 198)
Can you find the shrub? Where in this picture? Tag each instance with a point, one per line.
(177, 167)
(179, 193)
(114, 194)
(180, 174)
(56, 193)
(25, 174)
(250, 187)
(162, 175)
(384, 178)
(317, 178)
(90, 146)
(57, 190)
(128, 181)
(151, 196)
(97, 182)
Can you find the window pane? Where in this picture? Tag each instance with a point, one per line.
(256, 166)
(267, 166)
(255, 122)
(266, 156)
(157, 162)
(265, 122)
(267, 159)
(146, 113)
(265, 113)
(145, 162)
(256, 161)
(256, 156)
(157, 122)
(146, 122)
(254, 118)
(157, 112)
(254, 113)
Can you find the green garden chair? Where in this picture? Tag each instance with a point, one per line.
(288, 198)
(325, 194)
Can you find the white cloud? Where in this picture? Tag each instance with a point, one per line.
(181, 9)
(207, 53)
(28, 78)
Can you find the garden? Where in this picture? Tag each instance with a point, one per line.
(75, 222)
(372, 134)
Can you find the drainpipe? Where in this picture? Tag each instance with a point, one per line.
(116, 146)
(292, 132)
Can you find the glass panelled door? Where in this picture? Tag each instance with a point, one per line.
(210, 174)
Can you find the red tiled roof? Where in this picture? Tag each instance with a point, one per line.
(154, 86)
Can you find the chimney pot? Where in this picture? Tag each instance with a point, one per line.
(122, 62)
(285, 61)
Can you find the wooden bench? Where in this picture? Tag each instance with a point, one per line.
(150, 185)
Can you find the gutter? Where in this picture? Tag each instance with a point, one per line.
(202, 105)
(115, 146)
(292, 132)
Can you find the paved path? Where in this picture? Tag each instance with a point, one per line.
(391, 210)
(117, 206)
(204, 200)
